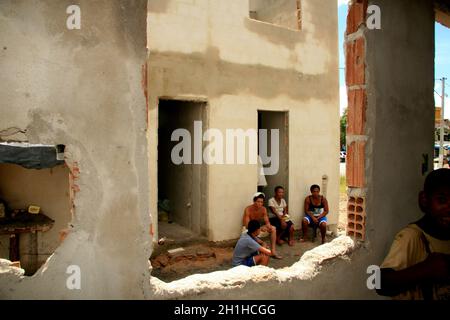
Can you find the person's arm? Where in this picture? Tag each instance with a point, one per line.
(286, 211)
(265, 251)
(255, 245)
(434, 269)
(275, 212)
(246, 218)
(325, 208)
(266, 218)
(309, 213)
(259, 241)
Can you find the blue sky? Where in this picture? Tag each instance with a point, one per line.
(442, 58)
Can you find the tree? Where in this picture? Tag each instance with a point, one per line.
(343, 129)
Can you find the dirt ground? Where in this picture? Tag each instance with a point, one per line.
(207, 257)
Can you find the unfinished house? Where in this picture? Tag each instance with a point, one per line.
(214, 64)
(264, 65)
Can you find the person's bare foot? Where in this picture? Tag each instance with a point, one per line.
(280, 242)
(323, 241)
(276, 256)
(302, 239)
(291, 243)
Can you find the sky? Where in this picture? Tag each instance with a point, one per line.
(442, 59)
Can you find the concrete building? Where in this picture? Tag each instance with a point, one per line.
(87, 89)
(262, 65)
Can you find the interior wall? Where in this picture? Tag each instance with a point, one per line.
(46, 188)
(277, 120)
(184, 184)
(278, 12)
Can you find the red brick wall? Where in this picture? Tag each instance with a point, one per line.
(355, 78)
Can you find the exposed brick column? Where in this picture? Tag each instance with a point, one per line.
(355, 78)
(74, 174)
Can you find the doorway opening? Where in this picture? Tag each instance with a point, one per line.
(182, 192)
(275, 120)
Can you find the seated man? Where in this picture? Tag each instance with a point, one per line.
(279, 217)
(257, 211)
(248, 251)
(418, 264)
(316, 210)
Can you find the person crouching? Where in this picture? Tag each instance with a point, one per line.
(248, 251)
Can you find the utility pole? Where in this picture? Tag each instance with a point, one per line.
(441, 135)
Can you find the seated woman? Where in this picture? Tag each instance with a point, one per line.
(248, 251)
(279, 217)
(316, 210)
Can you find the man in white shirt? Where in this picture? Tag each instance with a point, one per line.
(279, 217)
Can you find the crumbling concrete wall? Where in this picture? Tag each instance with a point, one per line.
(83, 88)
(211, 50)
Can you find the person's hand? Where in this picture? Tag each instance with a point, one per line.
(438, 266)
(315, 220)
(283, 224)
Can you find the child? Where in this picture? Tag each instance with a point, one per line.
(418, 263)
(249, 250)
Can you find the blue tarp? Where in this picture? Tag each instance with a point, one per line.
(29, 156)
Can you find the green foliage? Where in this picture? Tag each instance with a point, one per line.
(343, 128)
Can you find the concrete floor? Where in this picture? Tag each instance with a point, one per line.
(174, 236)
